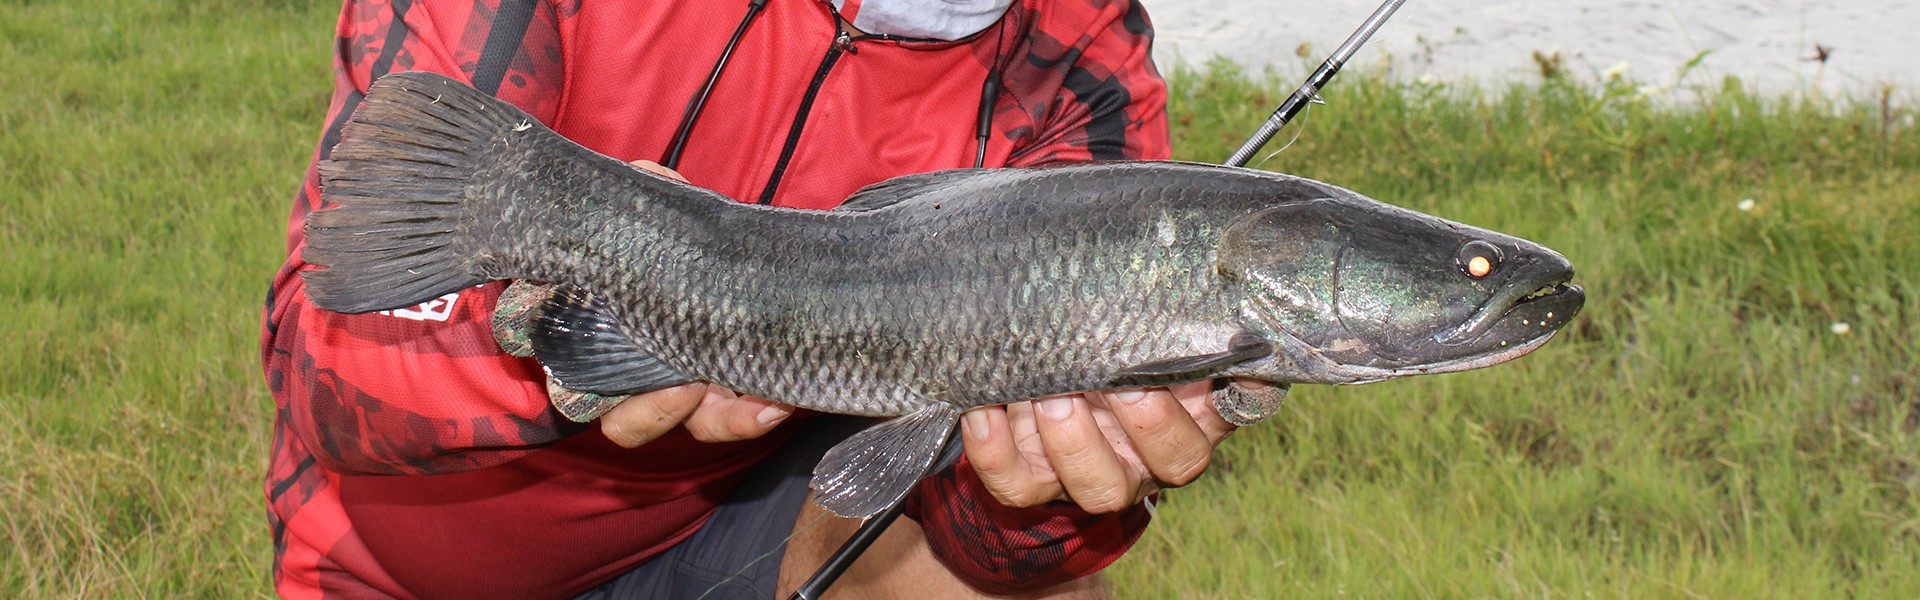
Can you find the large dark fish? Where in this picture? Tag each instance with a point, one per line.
(923, 296)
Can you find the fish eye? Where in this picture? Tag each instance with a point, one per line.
(1478, 259)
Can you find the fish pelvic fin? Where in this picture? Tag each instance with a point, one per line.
(584, 348)
(873, 469)
(1242, 347)
(400, 180)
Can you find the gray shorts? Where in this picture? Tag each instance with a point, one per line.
(737, 553)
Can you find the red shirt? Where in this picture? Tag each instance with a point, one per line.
(411, 457)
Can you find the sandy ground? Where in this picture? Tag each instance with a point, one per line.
(1769, 43)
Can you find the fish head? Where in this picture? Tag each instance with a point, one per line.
(1352, 290)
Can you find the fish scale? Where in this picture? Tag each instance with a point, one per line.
(913, 320)
(922, 296)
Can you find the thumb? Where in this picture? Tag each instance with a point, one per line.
(642, 417)
(657, 169)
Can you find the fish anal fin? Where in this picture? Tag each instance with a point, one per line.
(873, 469)
(584, 348)
(1242, 348)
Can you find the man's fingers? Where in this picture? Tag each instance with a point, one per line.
(989, 438)
(1092, 473)
(641, 418)
(1171, 445)
(1196, 398)
(658, 169)
(724, 416)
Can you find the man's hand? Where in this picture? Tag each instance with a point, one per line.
(658, 169)
(710, 412)
(1104, 451)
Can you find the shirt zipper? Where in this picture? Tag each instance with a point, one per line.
(842, 43)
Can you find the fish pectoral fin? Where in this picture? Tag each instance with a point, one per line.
(873, 469)
(1242, 348)
(584, 348)
(891, 191)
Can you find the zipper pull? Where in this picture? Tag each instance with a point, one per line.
(844, 42)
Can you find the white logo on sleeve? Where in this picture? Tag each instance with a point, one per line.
(437, 309)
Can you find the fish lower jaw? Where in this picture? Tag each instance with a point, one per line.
(1316, 367)
(1477, 361)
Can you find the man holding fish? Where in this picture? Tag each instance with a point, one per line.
(413, 457)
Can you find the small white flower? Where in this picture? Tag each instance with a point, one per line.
(1840, 328)
(1745, 204)
(1426, 79)
(1615, 71)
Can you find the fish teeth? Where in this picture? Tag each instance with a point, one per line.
(1543, 292)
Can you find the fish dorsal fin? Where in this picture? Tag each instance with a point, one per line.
(584, 348)
(874, 468)
(893, 191)
(1243, 347)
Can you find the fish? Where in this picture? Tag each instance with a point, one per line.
(922, 296)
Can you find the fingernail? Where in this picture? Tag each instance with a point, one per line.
(978, 426)
(774, 414)
(1057, 408)
(1127, 396)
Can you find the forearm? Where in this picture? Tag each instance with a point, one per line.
(418, 389)
(403, 393)
(1103, 100)
(1002, 549)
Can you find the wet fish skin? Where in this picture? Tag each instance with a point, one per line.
(924, 295)
(984, 300)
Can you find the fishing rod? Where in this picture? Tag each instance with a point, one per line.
(1309, 92)
(849, 552)
(870, 531)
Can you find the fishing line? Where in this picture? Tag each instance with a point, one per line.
(1295, 104)
(777, 548)
(1309, 92)
(1303, 120)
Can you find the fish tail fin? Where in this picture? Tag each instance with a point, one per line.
(404, 177)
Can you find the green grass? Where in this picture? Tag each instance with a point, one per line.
(148, 154)
(1699, 432)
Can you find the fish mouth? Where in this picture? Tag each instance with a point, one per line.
(1523, 325)
(1506, 327)
(1546, 290)
(1538, 296)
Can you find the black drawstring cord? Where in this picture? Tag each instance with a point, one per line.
(878, 524)
(989, 92)
(687, 119)
(984, 125)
